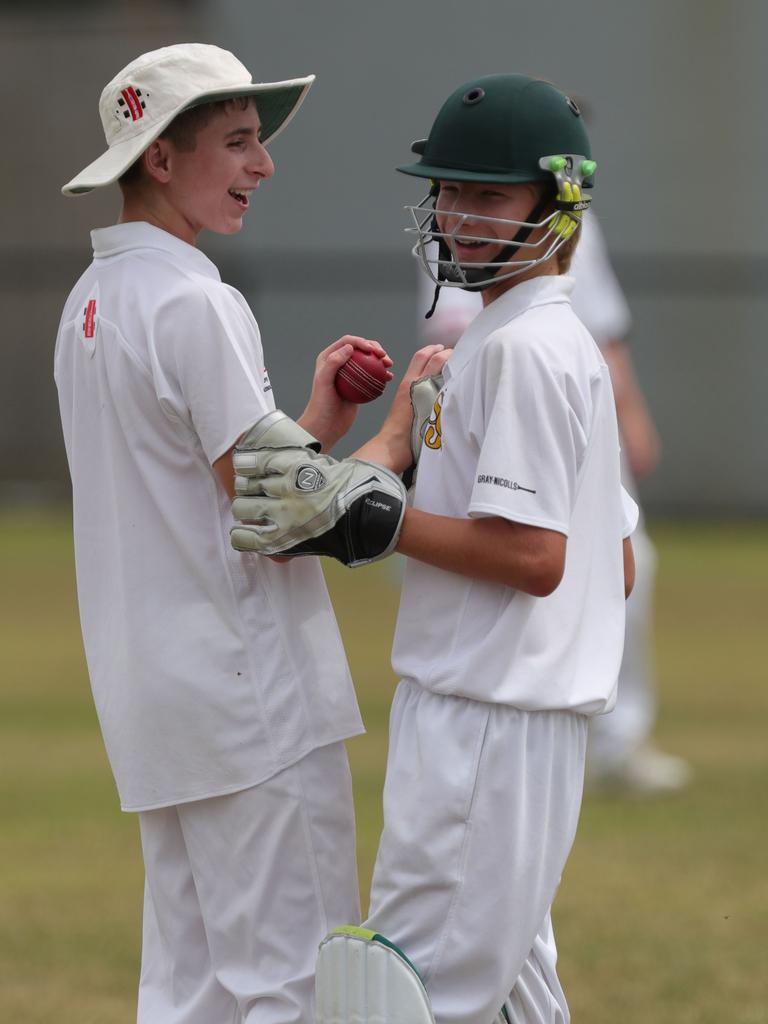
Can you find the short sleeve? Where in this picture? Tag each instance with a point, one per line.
(532, 438)
(208, 365)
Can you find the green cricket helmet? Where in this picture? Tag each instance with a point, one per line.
(508, 129)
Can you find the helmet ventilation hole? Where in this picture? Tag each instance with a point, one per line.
(473, 96)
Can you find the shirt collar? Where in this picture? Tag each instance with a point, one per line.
(538, 291)
(121, 238)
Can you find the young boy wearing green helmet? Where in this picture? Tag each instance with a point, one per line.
(511, 621)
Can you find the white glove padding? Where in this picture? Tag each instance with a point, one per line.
(273, 430)
(294, 501)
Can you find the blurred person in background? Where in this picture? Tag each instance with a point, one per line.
(621, 754)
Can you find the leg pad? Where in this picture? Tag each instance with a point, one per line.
(362, 978)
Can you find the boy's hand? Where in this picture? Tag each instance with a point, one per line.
(327, 415)
(391, 447)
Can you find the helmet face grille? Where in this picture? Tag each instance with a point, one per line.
(443, 267)
(569, 171)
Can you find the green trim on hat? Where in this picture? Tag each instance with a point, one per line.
(275, 106)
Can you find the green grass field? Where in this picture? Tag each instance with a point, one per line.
(662, 917)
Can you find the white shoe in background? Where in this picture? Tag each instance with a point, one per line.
(646, 772)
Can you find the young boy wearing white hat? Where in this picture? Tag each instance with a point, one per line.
(220, 680)
(511, 621)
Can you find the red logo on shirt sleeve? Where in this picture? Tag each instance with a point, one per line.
(89, 325)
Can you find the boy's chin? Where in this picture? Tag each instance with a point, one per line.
(230, 227)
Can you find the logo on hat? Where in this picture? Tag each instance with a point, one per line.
(131, 103)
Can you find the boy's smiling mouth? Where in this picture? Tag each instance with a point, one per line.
(240, 197)
(466, 248)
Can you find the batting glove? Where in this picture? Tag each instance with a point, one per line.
(294, 501)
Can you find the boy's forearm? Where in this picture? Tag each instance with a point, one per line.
(526, 558)
(388, 450)
(225, 473)
(321, 428)
(392, 446)
(629, 567)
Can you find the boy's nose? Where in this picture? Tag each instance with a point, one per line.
(262, 163)
(462, 220)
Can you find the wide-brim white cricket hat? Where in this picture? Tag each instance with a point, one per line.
(142, 100)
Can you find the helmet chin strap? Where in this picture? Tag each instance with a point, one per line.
(480, 278)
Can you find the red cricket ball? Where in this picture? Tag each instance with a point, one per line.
(362, 378)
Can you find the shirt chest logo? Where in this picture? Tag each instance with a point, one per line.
(433, 435)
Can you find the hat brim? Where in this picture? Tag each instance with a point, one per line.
(277, 104)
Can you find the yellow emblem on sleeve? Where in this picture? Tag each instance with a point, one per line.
(433, 435)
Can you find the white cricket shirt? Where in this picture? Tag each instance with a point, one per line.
(211, 670)
(526, 431)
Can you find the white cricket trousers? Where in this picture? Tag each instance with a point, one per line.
(481, 803)
(239, 892)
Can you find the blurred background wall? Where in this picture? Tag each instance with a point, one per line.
(679, 131)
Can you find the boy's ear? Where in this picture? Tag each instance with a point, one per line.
(157, 160)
